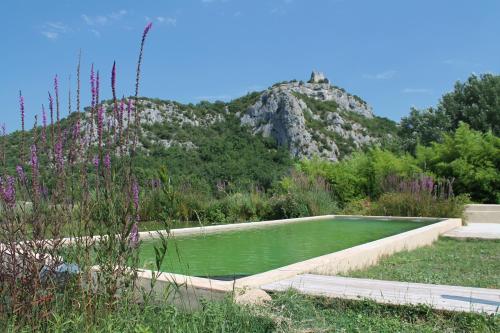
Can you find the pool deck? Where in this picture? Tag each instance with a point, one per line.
(441, 297)
(476, 230)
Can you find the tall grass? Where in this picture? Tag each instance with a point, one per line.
(419, 196)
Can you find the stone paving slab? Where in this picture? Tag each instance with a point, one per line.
(441, 297)
(476, 230)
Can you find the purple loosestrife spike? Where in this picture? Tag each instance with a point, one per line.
(92, 86)
(56, 91)
(107, 161)
(21, 174)
(138, 74)
(100, 120)
(44, 125)
(9, 192)
(95, 161)
(58, 149)
(21, 108)
(51, 110)
(97, 88)
(113, 80)
(34, 170)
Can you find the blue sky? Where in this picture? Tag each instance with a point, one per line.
(395, 54)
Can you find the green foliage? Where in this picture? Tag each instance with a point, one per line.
(225, 152)
(361, 174)
(423, 205)
(423, 127)
(471, 158)
(243, 103)
(300, 195)
(475, 102)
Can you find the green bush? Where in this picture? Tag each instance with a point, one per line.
(300, 195)
(469, 157)
(424, 205)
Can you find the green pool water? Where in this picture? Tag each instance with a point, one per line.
(247, 252)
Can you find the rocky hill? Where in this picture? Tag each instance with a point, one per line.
(309, 119)
(251, 140)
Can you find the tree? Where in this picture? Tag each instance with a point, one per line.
(423, 127)
(475, 102)
(469, 157)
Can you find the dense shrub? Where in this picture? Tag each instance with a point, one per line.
(421, 196)
(300, 195)
(425, 205)
(362, 174)
(471, 158)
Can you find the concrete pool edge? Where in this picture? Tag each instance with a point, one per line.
(194, 288)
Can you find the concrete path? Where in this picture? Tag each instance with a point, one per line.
(441, 297)
(476, 230)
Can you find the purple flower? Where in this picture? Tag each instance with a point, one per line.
(95, 161)
(34, 170)
(107, 161)
(146, 29)
(76, 129)
(100, 120)
(44, 125)
(34, 158)
(56, 90)
(51, 109)
(97, 88)
(8, 191)
(113, 79)
(58, 149)
(92, 86)
(134, 236)
(21, 174)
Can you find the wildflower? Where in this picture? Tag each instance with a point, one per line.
(138, 74)
(44, 125)
(100, 120)
(113, 80)
(95, 161)
(9, 192)
(58, 150)
(34, 170)
(107, 161)
(92, 86)
(97, 88)
(21, 174)
(56, 91)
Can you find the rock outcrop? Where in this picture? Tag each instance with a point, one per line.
(310, 119)
(286, 113)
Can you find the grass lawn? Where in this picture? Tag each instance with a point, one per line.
(474, 263)
(312, 314)
(287, 312)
